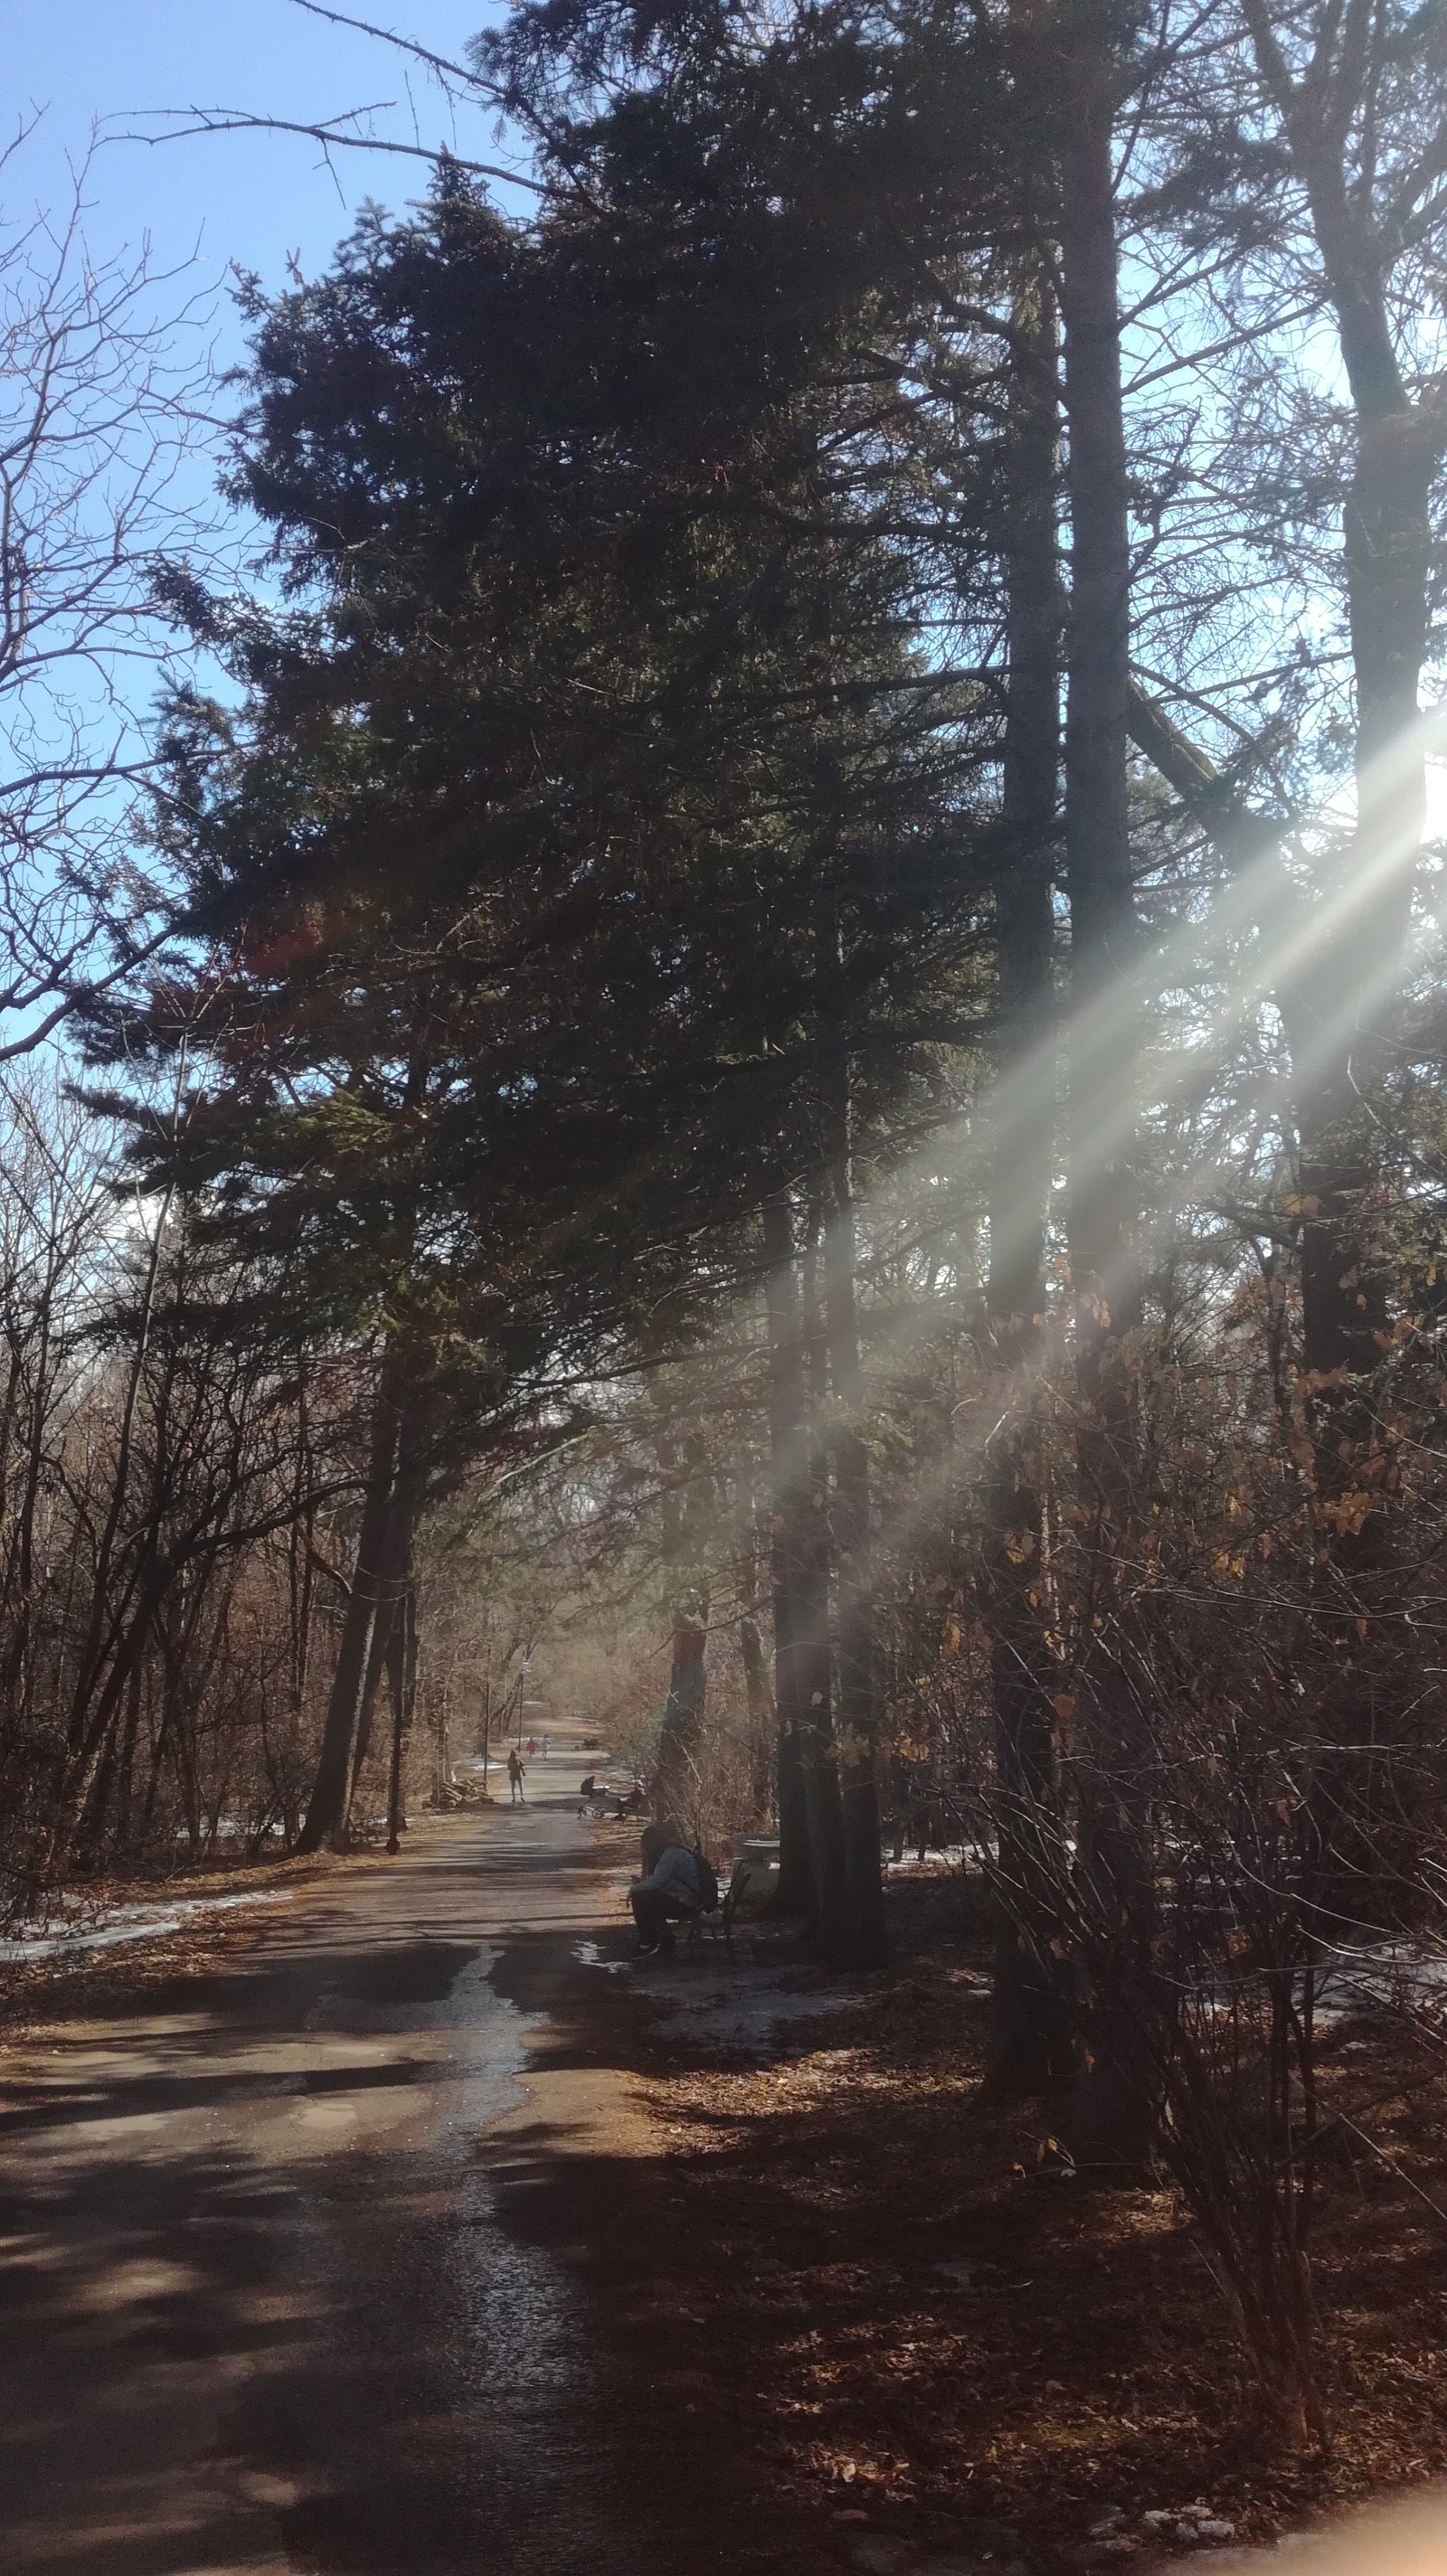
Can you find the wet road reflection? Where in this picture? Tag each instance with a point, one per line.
(264, 2312)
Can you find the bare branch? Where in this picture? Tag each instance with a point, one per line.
(445, 70)
(330, 134)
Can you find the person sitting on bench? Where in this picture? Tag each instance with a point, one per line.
(669, 1893)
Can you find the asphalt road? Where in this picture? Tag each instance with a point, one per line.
(266, 2307)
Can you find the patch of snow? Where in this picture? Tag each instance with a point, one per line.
(130, 1923)
(1192, 2524)
(1388, 1976)
(733, 2013)
(944, 1856)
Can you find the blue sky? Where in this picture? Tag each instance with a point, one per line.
(255, 199)
(252, 198)
(200, 204)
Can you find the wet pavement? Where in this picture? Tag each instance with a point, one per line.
(272, 2303)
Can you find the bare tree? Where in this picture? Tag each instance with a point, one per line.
(103, 421)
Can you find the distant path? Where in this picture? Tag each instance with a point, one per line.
(260, 2312)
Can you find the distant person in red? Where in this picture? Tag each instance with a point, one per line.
(532, 1746)
(515, 1778)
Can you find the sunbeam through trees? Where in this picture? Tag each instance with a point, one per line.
(759, 1023)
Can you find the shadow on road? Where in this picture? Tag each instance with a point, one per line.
(300, 2277)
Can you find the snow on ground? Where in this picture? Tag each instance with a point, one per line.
(938, 1860)
(112, 1924)
(725, 2005)
(735, 2012)
(731, 2010)
(1389, 1977)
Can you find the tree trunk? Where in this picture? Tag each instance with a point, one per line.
(125, 1780)
(762, 1720)
(402, 1672)
(1356, 963)
(676, 1778)
(393, 1587)
(855, 1649)
(683, 1462)
(822, 1803)
(1103, 928)
(326, 1812)
(1030, 2048)
(1112, 2112)
(788, 1459)
(1356, 958)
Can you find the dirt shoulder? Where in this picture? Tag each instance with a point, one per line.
(918, 2344)
(36, 1993)
(224, 1911)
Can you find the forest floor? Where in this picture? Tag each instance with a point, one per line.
(407, 2225)
(917, 2320)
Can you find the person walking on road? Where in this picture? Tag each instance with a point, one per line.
(515, 1778)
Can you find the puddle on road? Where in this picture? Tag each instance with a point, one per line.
(526, 2348)
(590, 1956)
(472, 2420)
(455, 2413)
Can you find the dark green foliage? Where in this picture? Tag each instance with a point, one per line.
(511, 873)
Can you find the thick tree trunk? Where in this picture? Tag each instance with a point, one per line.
(788, 1462)
(1103, 927)
(820, 1761)
(1355, 969)
(857, 1750)
(402, 1673)
(683, 1462)
(1030, 2030)
(1112, 2111)
(1361, 922)
(1025, 1055)
(393, 1587)
(1349, 985)
(763, 1722)
(850, 1531)
(326, 1811)
(675, 1783)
